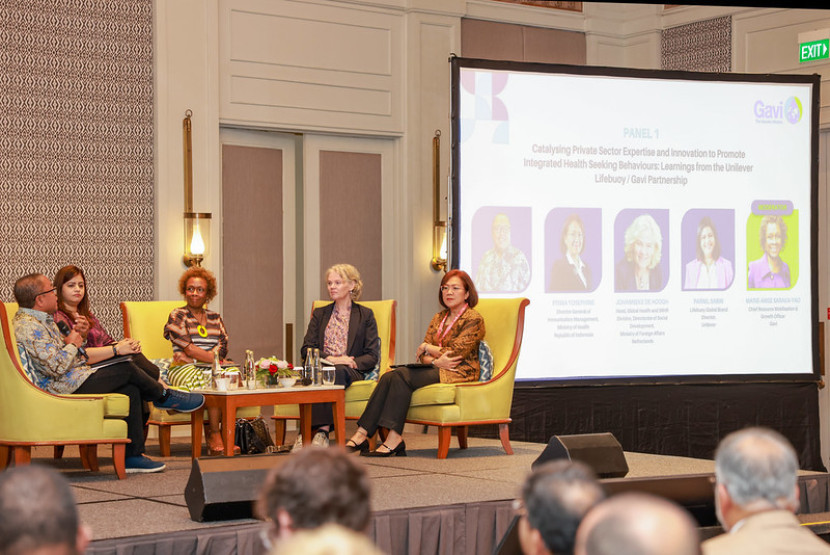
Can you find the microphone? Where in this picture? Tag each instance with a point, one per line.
(64, 327)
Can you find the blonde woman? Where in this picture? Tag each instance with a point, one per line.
(346, 334)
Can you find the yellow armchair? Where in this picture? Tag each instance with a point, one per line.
(30, 416)
(459, 406)
(145, 321)
(357, 395)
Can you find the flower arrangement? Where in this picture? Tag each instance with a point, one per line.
(271, 369)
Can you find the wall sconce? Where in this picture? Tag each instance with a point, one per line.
(439, 227)
(196, 233)
(196, 225)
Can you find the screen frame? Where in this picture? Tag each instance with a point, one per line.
(457, 63)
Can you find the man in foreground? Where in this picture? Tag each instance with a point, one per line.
(756, 497)
(314, 487)
(637, 523)
(556, 495)
(38, 514)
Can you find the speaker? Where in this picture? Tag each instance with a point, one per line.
(224, 488)
(602, 452)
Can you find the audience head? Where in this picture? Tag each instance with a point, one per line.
(556, 496)
(198, 273)
(329, 539)
(347, 273)
(39, 514)
(755, 469)
(314, 487)
(36, 292)
(637, 524)
(65, 275)
(469, 287)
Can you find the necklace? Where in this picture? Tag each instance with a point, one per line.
(642, 282)
(441, 336)
(201, 329)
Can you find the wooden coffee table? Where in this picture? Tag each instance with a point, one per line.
(228, 401)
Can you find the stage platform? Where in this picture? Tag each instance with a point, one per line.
(460, 505)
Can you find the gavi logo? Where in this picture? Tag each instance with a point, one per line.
(789, 111)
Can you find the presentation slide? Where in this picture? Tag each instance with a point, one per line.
(659, 223)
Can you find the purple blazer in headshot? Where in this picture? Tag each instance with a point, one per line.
(762, 277)
(724, 274)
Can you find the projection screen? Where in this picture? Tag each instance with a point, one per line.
(661, 223)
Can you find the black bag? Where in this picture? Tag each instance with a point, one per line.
(252, 436)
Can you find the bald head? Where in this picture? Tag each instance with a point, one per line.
(637, 524)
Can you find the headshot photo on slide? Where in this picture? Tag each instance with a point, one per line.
(501, 247)
(641, 239)
(707, 236)
(573, 250)
(772, 245)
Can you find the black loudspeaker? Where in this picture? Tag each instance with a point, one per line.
(602, 452)
(224, 488)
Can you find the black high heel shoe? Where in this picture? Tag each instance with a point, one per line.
(363, 446)
(398, 451)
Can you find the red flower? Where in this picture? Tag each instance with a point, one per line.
(272, 369)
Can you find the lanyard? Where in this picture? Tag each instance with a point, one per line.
(440, 336)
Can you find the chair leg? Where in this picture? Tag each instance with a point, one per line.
(21, 454)
(57, 451)
(5, 457)
(504, 434)
(461, 433)
(164, 439)
(89, 456)
(119, 450)
(279, 431)
(444, 435)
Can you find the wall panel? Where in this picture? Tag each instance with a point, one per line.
(304, 65)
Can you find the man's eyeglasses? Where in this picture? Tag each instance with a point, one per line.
(47, 291)
(453, 288)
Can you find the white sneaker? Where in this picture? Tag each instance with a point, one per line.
(298, 443)
(321, 439)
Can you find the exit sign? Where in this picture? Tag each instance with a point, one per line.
(814, 50)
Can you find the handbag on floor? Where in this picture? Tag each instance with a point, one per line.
(253, 437)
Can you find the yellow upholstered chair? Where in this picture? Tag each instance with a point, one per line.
(145, 321)
(30, 416)
(357, 395)
(458, 406)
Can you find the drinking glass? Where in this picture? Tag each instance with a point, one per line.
(328, 375)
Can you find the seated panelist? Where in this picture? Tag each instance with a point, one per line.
(73, 308)
(346, 334)
(450, 347)
(197, 334)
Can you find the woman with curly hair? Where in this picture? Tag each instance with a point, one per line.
(770, 271)
(197, 333)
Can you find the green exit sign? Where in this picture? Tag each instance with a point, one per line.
(814, 50)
